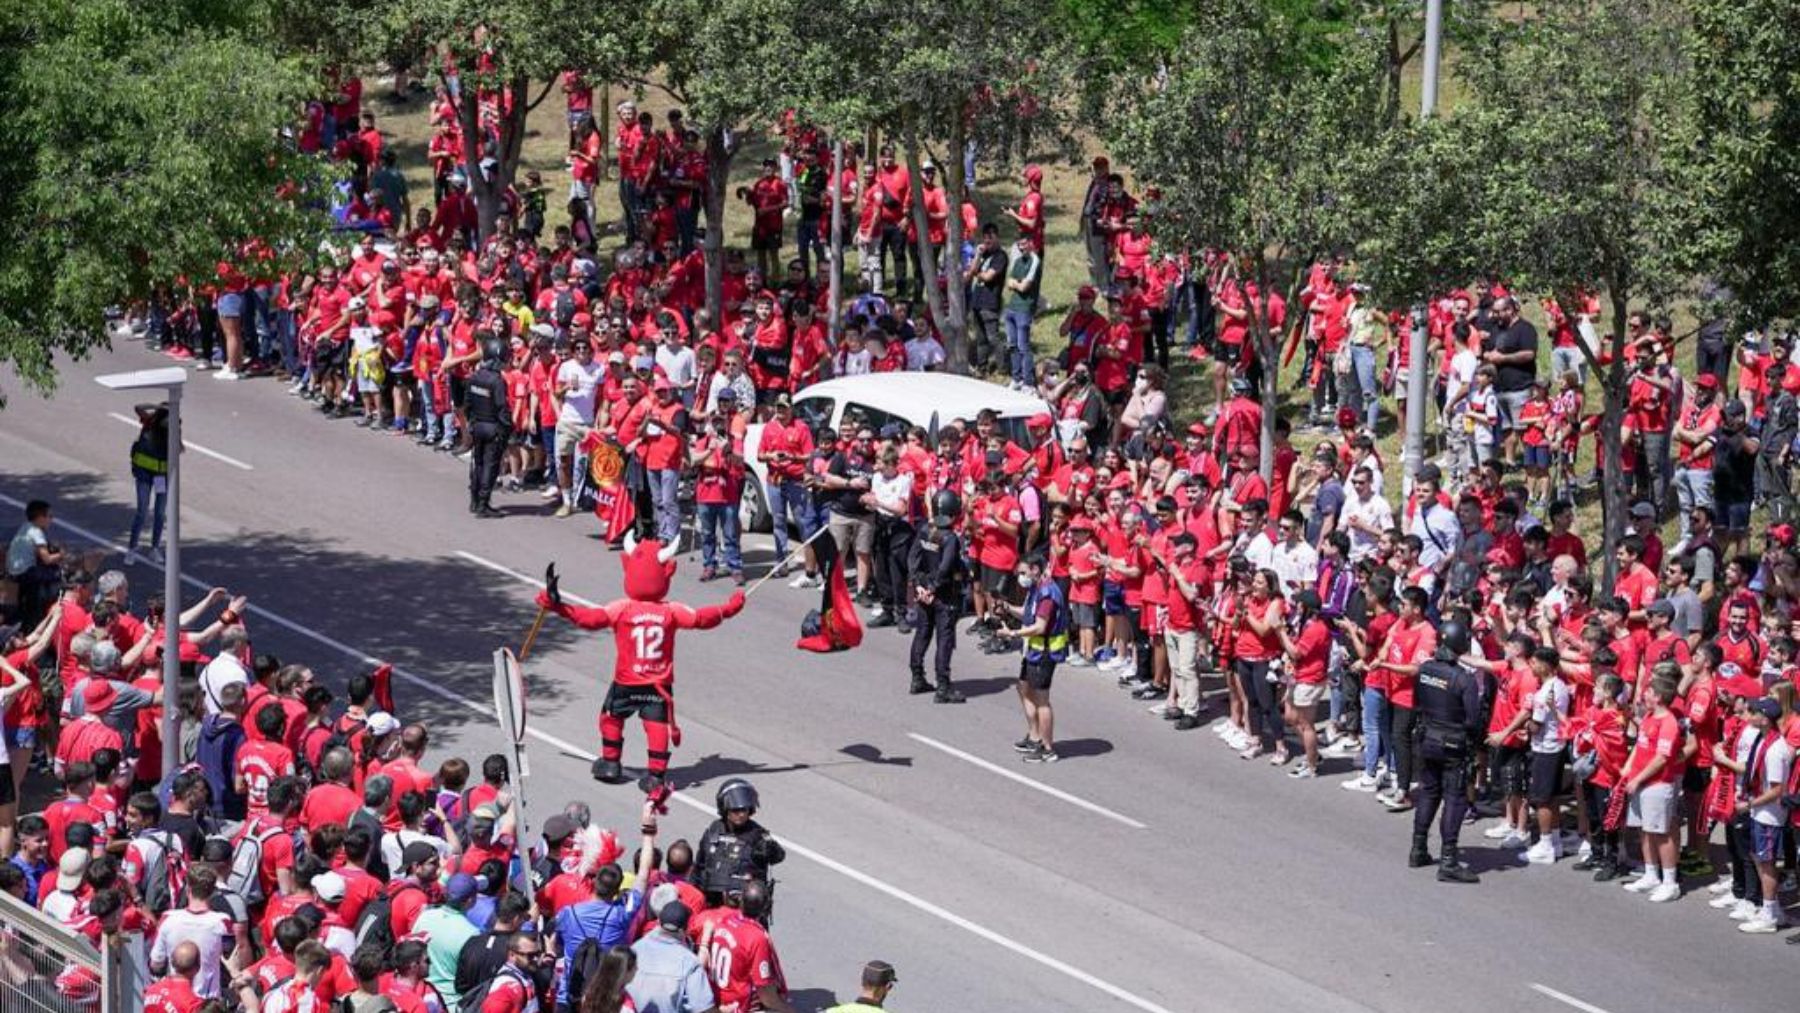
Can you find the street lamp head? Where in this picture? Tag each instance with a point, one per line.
(167, 378)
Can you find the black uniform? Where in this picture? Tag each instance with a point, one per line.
(936, 564)
(490, 425)
(727, 859)
(1452, 716)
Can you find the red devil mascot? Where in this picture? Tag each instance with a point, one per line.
(644, 628)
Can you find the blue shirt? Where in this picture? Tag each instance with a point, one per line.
(34, 875)
(669, 977)
(607, 922)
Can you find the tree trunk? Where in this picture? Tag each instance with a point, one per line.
(1270, 355)
(719, 153)
(1613, 493)
(950, 328)
(1395, 63)
(956, 355)
(834, 324)
(488, 193)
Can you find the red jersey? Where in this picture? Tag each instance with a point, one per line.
(259, 764)
(740, 961)
(1658, 735)
(173, 994)
(643, 635)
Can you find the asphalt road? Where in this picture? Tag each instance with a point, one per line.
(1150, 870)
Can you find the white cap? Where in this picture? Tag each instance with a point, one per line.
(382, 723)
(329, 887)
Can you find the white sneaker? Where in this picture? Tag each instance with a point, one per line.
(1541, 853)
(1743, 911)
(549, 493)
(1361, 782)
(1498, 831)
(1515, 839)
(1722, 886)
(1665, 893)
(132, 558)
(1645, 883)
(1303, 773)
(1237, 740)
(1159, 709)
(811, 583)
(1723, 901)
(1222, 727)
(1762, 924)
(155, 556)
(1585, 852)
(799, 580)
(228, 373)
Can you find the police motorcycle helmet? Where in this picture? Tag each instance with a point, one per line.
(736, 793)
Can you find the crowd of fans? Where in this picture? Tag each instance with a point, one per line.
(306, 851)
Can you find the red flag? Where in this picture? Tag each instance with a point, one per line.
(839, 627)
(382, 683)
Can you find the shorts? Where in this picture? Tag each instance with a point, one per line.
(996, 581)
(643, 701)
(1308, 694)
(8, 794)
(567, 438)
(546, 438)
(1512, 770)
(1112, 598)
(1695, 779)
(1037, 674)
(519, 438)
(1546, 777)
(853, 532)
(1765, 842)
(1537, 457)
(1084, 615)
(459, 391)
(1654, 809)
(230, 304)
(332, 358)
(1117, 398)
(1510, 402)
(21, 738)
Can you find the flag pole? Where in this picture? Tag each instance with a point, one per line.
(764, 579)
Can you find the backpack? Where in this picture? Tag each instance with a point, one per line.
(341, 736)
(245, 877)
(582, 968)
(563, 309)
(375, 926)
(472, 1000)
(165, 872)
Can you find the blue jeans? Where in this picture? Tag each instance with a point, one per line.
(781, 497)
(1362, 358)
(719, 521)
(1375, 727)
(1018, 342)
(665, 486)
(145, 490)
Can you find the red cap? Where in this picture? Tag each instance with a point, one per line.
(1086, 292)
(1081, 524)
(1783, 533)
(1034, 174)
(98, 694)
(1347, 418)
(1041, 420)
(1198, 429)
(661, 384)
(1742, 686)
(1707, 381)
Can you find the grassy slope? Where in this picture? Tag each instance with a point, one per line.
(408, 131)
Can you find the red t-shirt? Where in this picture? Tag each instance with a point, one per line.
(173, 994)
(1408, 645)
(328, 804)
(1658, 735)
(741, 962)
(259, 764)
(1314, 646)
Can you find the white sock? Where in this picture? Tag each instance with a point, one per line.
(1772, 910)
(568, 499)
(1670, 877)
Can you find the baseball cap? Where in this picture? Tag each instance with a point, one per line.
(783, 401)
(1034, 173)
(662, 386)
(417, 853)
(329, 887)
(1783, 533)
(674, 916)
(461, 887)
(1642, 509)
(1707, 381)
(664, 895)
(382, 723)
(98, 695)
(1767, 707)
(558, 829)
(1661, 607)
(70, 868)
(1741, 686)
(1087, 292)
(357, 302)
(728, 394)
(1081, 524)
(643, 362)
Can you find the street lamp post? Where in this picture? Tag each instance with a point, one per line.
(1419, 348)
(169, 380)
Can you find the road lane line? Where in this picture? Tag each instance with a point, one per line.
(1013, 775)
(1566, 999)
(706, 807)
(190, 444)
(522, 578)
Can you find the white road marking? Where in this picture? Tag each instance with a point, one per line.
(522, 578)
(706, 807)
(1013, 775)
(190, 444)
(1566, 999)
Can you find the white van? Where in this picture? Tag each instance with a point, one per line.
(928, 400)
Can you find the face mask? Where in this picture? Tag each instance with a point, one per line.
(1141, 385)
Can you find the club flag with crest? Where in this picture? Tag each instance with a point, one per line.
(835, 626)
(613, 504)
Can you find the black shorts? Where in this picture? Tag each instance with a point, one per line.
(1037, 674)
(644, 701)
(1512, 768)
(1546, 777)
(331, 358)
(997, 582)
(7, 794)
(1695, 780)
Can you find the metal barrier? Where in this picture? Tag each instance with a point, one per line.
(45, 968)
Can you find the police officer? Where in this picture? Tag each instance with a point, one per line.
(736, 849)
(939, 575)
(1448, 701)
(490, 424)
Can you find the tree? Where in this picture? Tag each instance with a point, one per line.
(1256, 147)
(1556, 169)
(1746, 159)
(140, 152)
(999, 66)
